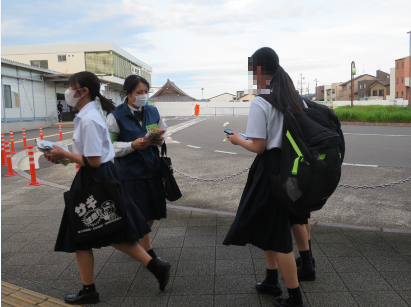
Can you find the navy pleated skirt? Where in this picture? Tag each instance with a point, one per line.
(261, 220)
(136, 226)
(149, 196)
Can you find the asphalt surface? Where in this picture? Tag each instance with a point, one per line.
(368, 145)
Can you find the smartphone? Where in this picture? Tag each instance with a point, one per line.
(230, 132)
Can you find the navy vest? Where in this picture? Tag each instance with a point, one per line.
(140, 164)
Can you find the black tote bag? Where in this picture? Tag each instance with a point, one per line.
(95, 210)
(171, 188)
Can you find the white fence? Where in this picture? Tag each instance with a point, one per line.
(218, 108)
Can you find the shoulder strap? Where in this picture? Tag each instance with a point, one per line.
(164, 150)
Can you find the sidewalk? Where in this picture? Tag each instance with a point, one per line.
(354, 268)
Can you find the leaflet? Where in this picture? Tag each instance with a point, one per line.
(45, 147)
(153, 133)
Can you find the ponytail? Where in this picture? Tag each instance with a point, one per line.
(106, 104)
(283, 92)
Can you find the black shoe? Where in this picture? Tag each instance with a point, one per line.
(305, 275)
(298, 261)
(161, 270)
(283, 302)
(89, 298)
(275, 290)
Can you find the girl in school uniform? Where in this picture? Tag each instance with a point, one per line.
(92, 142)
(261, 220)
(137, 161)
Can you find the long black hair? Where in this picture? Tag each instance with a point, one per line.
(131, 82)
(92, 82)
(283, 92)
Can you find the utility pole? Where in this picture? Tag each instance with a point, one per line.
(409, 79)
(301, 83)
(316, 81)
(353, 72)
(308, 91)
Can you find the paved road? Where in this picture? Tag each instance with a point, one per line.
(382, 146)
(52, 134)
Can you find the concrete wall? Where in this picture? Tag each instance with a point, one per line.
(240, 108)
(210, 108)
(398, 102)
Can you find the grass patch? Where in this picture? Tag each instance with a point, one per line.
(374, 114)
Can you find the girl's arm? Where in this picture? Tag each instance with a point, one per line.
(59, 153)
(256, 145)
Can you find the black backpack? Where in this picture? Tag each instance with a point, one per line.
(312, 153)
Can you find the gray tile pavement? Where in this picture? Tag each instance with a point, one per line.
(354, 267)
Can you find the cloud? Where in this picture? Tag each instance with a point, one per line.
(205, 43)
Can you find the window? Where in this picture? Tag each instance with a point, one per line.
(344, 87)
(381, 93)
(402, 94)
(11, 96)
(402, 79)
(62, 58)
(397, 95)
(350, 86)
(341, 98)
(374, 93)
(360, 86)
(41, 64)
(402, 65)
(397, 80)
(363, 85)
(333, 91)
(333, 99)
(398, 65)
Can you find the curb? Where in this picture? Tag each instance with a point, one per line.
(12, 295)
(16, 159)
(376, 124)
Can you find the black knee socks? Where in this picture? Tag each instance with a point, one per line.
(152, 254)
(271, 278)
(87, 289)
(294, 297)
(309, 244)
(306, 263)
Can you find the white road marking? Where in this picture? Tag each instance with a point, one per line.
(225, 124)
(176, 142)
(379, 134)
(360, 165)
(192, 146)
(227, 152)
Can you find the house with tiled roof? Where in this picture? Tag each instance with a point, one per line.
(170, 92)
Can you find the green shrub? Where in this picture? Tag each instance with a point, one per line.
(374, 114)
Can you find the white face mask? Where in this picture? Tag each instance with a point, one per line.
(70, 99)
(140, 100)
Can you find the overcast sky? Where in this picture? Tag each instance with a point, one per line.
(205, 44)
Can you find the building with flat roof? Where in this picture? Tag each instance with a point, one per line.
(108, 61)
(28, 99)
(402, 78)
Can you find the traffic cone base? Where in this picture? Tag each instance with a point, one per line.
(33, 184)
(11, 174)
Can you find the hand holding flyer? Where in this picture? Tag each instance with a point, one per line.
(46, 146)
(153, 133)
